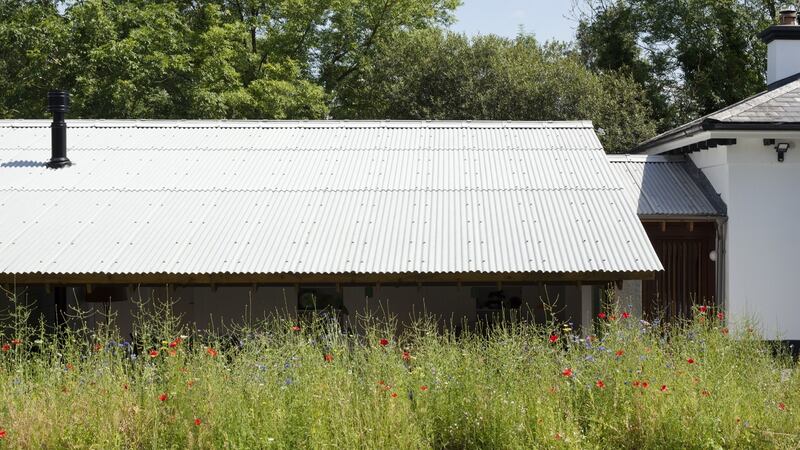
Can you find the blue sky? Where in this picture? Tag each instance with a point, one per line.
(547, 19)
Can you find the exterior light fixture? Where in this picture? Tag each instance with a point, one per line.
(781, 148)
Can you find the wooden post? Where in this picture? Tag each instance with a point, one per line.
(586, 309)
(60, 301)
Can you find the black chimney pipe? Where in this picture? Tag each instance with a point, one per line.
(58, 104)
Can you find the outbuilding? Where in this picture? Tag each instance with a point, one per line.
(458, 219)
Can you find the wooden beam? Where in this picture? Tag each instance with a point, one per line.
(691, 227)
(663, 227)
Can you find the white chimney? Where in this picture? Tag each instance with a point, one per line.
(783, 46)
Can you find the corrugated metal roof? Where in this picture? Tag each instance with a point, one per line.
(662, 186)
(200, 197)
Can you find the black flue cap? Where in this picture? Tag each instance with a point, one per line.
(58, 101)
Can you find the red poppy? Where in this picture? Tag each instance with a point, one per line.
(384, 342)
(690, 361)
(16, 341)
(619, 353)
(69, 366)
(602, 315)
(173, 353)
(197, 421)
(406, 356)
(173, 344)
(328, 357)
(553, 338)
(782, 406)
(703, 309)
(557, 436)
(394, 394)
(724, 331)
(612, 318)
(423, 388)
(97, 347)
(381, 382)
(567, 372)
(600, 384)
(295, 328)
(190, 383)
(211, 352)
(177, 341)
(626, 315)
(163, 397)
(663, 388)
(720, 315)
(153, 353)
(636, 383)
(2, 433)
(645, 384)
(705, 393)
(6, 347)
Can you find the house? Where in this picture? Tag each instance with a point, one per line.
(748, 152)
(459, 219)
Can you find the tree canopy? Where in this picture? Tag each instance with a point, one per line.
(430, 74)
(637, 66)
(692, 56)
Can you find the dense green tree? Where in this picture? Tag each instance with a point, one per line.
(32, 45)
(206, 58)
(692, 56)
(438, 75)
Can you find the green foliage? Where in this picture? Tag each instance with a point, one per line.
(288, 384)
(437, 75)
(202, 59)
(31, 52)
(153, 60)
(693, 57)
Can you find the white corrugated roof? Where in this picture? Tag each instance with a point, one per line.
(661, 185)
(200, 197)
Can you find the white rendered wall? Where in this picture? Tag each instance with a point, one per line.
(763, 251)
(782, 59)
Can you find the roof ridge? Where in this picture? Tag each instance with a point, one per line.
(294, 124)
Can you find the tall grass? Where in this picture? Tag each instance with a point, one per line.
(286, 384)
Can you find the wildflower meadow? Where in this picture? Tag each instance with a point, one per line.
(289, 383)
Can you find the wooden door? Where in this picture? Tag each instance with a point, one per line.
(689, 274)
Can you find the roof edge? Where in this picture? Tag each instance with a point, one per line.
(714, 125)
(287, 279)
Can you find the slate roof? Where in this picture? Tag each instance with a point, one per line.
(666, 186)
(773, 108)
(326, 197)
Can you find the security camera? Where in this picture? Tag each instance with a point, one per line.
(781, 148)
